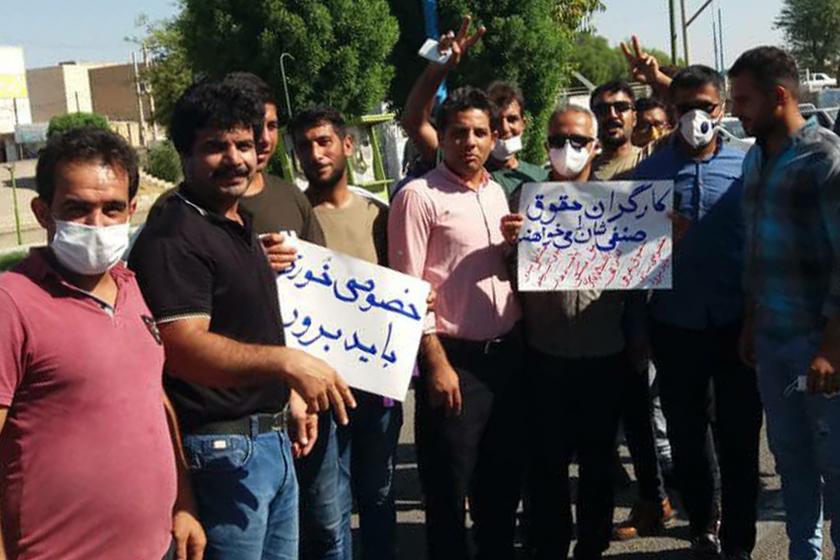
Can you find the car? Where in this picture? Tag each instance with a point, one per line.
(817, 81)
(733, 134)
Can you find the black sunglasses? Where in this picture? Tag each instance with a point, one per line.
(578, 142)
(705, 106)
(602, 108)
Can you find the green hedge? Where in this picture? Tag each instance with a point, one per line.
(162, 161)
(63, 123)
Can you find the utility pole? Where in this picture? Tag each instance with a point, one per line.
(148, 89)
(285, 84)
(720, 39)
(715, 37)
(139, 100)
(673, 31)
(684, 33)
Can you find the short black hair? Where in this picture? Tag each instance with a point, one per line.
(85, 144)
(249, 80)
(214, 103)
(317, 115)
(464, 99)
(697, 76)
(645, 104)
(504, 94)
(769, 67)
(612, 87)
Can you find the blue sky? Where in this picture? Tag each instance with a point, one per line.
(95, 29)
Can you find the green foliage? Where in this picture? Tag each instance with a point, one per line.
(169, 73)
(163, 162)
(62, 123)
(340, 47)
(810, 29)
(528, 42)
(593, 57)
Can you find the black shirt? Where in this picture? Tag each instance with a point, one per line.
(190, 263)
(281, 206)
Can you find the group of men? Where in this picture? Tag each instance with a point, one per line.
(219, 441)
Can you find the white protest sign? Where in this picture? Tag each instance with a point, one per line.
(364, 320)
(596, 236)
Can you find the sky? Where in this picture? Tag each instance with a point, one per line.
(746, 24)
(95, 30)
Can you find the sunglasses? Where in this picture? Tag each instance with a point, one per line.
(578, 142)
(603, 108)
(705, 106)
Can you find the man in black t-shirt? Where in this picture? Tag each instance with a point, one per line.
(207, 281)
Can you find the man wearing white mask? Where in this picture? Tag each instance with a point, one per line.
(88, 468)
(695, 327)
(576, 369)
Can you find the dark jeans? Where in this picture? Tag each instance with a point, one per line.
(578, 404)
(637, 415)
(477, 454)
(323, 535)
(703, 383)
(367, 450)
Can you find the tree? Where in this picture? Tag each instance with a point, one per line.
(810, 29)
(169, 73)
(62, 123)
(528, 42)
(593, 57)
(340, 47)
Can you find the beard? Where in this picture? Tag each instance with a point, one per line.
(316, 182)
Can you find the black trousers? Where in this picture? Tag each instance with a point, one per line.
(703, 383)
(578, 404)
(637, 416)
(478, 455)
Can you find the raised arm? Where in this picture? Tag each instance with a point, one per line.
(416, 116)
(644, 68)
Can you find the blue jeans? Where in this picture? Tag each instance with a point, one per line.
(804, 435)
(246, 493)
(321, 504)
(367, 450)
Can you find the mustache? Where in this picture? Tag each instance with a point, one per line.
(614, 124)
(231, 171)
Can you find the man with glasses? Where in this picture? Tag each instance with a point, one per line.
(613, 104)
(576, 364)
(652, 121)
(695, 327)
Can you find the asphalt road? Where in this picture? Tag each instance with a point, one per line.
(772, 542)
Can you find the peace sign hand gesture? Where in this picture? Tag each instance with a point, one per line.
(643, 66)
(461, 42)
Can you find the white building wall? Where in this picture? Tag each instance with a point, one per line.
(14, 96)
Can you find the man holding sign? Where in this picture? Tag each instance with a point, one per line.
(444, 228)
(576, 367)
(355, 225)
(696, 326)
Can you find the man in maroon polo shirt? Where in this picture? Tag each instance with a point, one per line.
(88, 469)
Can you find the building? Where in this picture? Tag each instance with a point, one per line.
(62, 89)
(115, 95)
(14, 100)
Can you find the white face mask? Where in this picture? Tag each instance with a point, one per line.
(568, 162)
(698, 128)
(89, 250)
(506, 149)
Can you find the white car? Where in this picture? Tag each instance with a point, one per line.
(733, 133)
(817, 81)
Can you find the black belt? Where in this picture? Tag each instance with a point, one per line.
(248, 426)
(481, 346)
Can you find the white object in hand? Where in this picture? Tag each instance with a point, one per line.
(430, 51)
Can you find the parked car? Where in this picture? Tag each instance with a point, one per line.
(817, 81)
(734, 135)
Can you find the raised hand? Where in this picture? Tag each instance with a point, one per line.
(461, 42)
(644, 67)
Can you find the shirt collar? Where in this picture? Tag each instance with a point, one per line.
(41, 266)
(183, 195)
(454, 179)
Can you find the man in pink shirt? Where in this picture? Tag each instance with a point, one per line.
(88, 469)
(444, 228)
